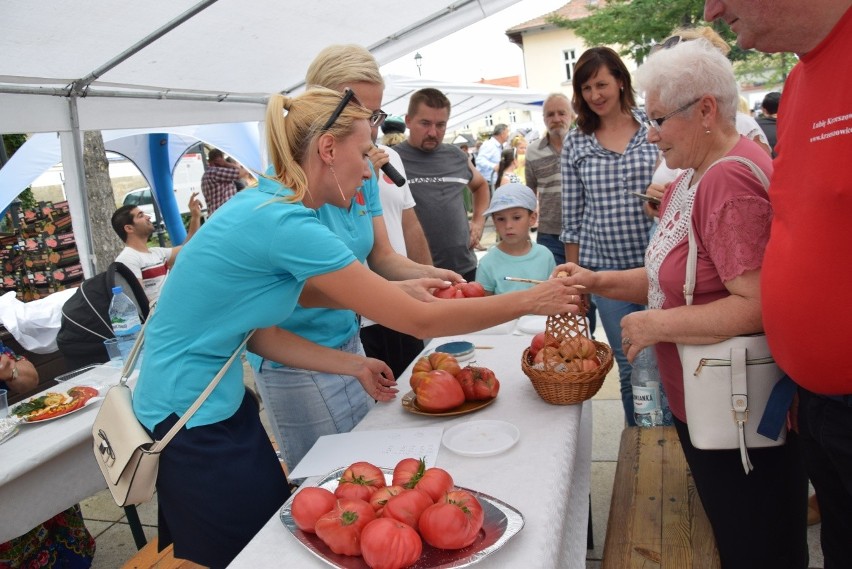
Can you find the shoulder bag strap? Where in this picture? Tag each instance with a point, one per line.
(692, 256)
(131, 362)
(160, 444)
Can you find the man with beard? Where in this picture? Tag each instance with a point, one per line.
(810, 194)
(544, 173)
(149, 264)
(438, 174)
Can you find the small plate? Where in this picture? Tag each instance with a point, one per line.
(501, 522)
(532, 324)
(481, 438)
(409, 403)
(460, 350)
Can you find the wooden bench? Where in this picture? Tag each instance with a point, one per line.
(656, 518)
(149, 558)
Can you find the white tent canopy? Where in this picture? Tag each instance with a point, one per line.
(127, 64)
(469, 100)
(216, 61)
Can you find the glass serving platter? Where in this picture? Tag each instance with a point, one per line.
(501, 523)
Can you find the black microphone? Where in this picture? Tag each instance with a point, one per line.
(393, 174)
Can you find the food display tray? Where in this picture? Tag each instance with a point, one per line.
(501, 523)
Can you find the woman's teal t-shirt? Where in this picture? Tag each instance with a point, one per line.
(243, 269)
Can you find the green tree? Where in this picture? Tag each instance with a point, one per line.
(636, 25)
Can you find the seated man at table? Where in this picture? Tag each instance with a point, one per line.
(62, 541)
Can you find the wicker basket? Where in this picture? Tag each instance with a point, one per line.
(567, 387)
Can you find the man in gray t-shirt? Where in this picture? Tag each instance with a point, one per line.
(437, 174)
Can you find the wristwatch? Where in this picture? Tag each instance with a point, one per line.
(15, 371)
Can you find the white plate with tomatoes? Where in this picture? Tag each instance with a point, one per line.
(501, 522)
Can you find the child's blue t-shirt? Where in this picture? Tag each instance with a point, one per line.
(537, 264)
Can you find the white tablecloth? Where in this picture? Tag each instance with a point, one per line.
(545, 475)
(47, 468)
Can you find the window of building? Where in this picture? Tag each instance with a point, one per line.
(569, 56)
(512, 117)
(489, 120)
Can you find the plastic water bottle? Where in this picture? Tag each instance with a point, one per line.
(125, 321)
(650, 405)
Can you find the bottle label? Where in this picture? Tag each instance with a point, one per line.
(646, 399)
(123, 327)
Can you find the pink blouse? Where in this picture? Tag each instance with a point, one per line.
(731, 216)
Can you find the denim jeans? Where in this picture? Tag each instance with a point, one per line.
(611, 313)
(552, 242)
(304, 405)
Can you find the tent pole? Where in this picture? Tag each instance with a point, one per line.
(72, 159)
(80, 85)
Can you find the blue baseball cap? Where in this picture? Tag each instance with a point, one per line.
(512, 195)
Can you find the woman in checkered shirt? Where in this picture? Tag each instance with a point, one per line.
(604, 161)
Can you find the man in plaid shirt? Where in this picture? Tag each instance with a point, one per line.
(218, 182)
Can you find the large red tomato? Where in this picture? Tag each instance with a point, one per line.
(436, 482)
(541, 340)
(389, 544)
(478, 383)
(407, 506)
(309, 504)
(381, 496)
(435, 360)
(412, 473)
(408, 472)
(438, 391)
(461, 290)
(451, 291)
(452, 523)
(472, 289)
(340, 529)
(360, 480)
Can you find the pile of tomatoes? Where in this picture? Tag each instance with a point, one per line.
(461, 290)
(388, 524)
(440, 383)
(571, 354)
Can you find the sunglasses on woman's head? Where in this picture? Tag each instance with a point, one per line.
(668, 43)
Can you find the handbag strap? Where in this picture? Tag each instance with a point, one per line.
(161, 444)
(692, 256)
(739, 401)
(130, 363)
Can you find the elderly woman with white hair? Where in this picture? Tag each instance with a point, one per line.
(691, 100)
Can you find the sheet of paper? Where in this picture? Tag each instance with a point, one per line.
(382, 448)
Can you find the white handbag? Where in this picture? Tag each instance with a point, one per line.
(726, 385)
(127, 456)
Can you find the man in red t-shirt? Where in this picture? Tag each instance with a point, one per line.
(808, 256)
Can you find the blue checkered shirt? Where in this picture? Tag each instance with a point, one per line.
(598, 209)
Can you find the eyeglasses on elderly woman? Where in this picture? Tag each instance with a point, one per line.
(376, 119)
(657, 124)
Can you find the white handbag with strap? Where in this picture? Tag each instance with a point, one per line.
(726, 385)
(128, 457)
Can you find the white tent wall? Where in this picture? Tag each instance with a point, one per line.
(94, 65)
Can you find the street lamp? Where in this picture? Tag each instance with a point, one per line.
(418, 59)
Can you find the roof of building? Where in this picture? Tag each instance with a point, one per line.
(573, 10)
(510, 81)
